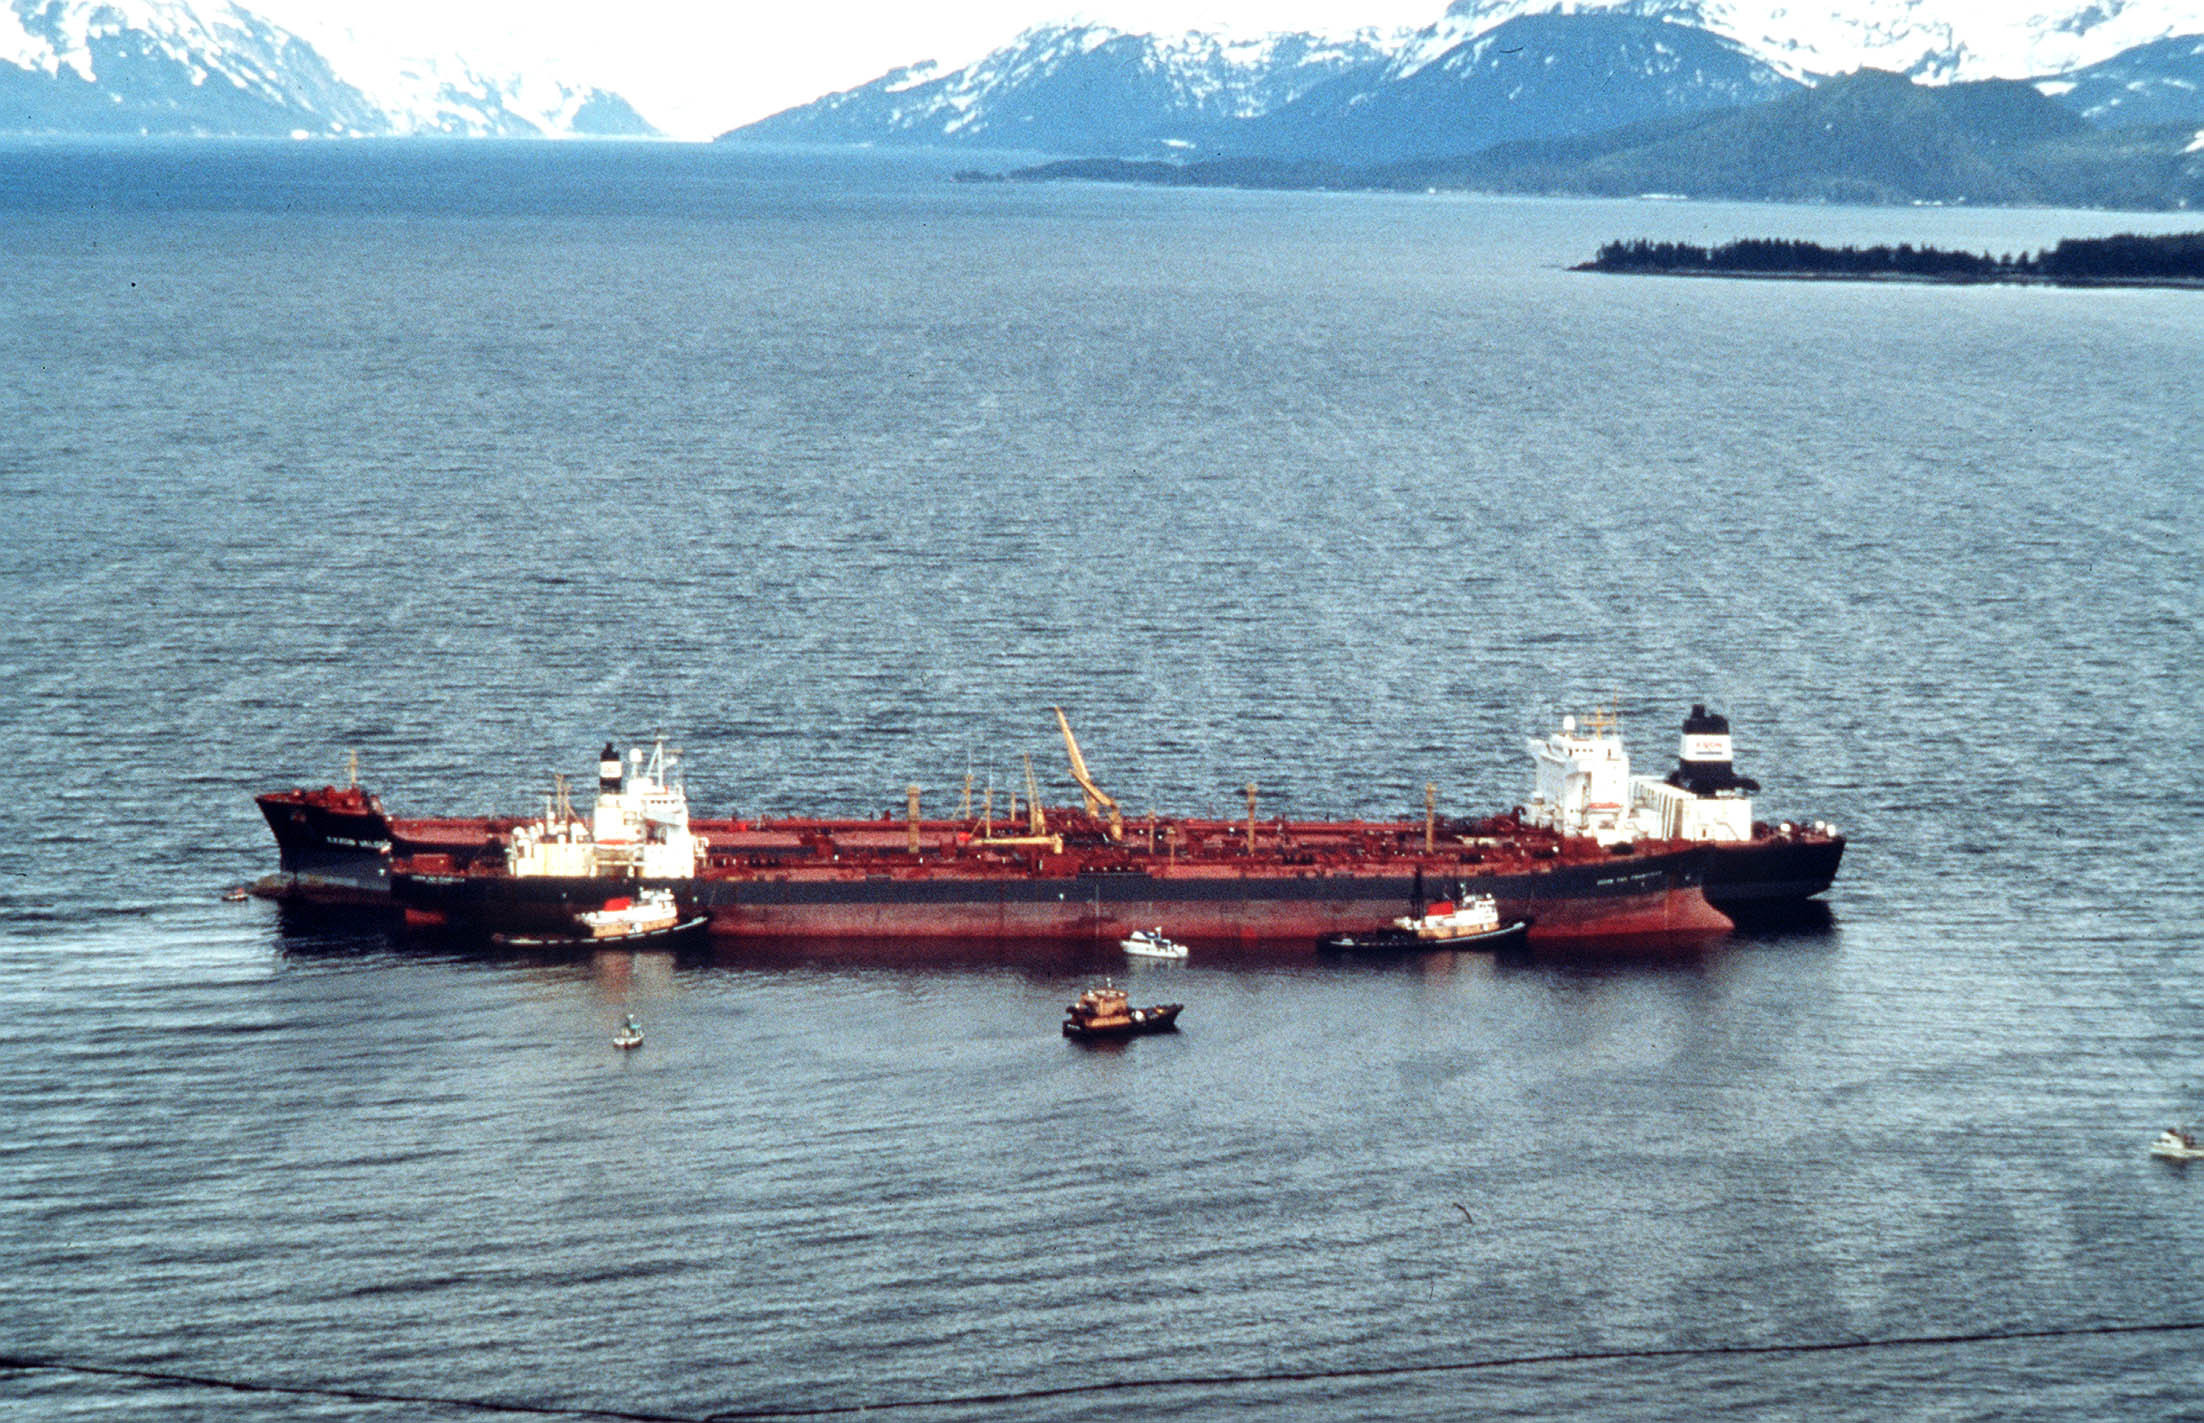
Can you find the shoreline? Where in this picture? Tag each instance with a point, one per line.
(1957, 279)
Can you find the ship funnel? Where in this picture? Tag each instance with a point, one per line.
(608, 769)
(1703, 757)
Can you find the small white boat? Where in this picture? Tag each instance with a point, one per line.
(631, 916)
(630, 1035)
(2177, 1144)
(1151, 944)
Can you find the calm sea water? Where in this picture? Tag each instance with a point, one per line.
(841, 475)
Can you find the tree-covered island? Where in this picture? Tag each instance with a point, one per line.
(2129, 260)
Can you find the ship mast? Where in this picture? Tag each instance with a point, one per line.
(1036, 823)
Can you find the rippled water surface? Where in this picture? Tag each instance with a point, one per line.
(841, 475)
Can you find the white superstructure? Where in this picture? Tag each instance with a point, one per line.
(1584, 786)
(638, 828)
(1583, 782)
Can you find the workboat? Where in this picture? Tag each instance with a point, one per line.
(1472, 923)
(1151, 944)
(1040, 875)
(630, 1035)
(2177, 1144)
(622, 921)
(651, 911)
(1106, 1012)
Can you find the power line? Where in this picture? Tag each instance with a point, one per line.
(26, 1364)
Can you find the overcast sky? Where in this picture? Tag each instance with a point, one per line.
(696, 67)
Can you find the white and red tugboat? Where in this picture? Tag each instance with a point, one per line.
(624, 921)
(1471, 923)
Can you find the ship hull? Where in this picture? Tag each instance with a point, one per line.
(1772, 873)
(1656, 897)
(332, 846)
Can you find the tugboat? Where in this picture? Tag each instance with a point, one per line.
(636, 916)
(1151, 944)
(2177, 1144)
(1474, 923)
(651, 914)
(630, 1036)
(1105, 1013)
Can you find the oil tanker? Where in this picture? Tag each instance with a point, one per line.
(1038, 874)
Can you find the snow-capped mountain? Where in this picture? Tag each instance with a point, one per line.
(1486, 71)
(211, 67)
(447, 94)
(2149, 84)
(1934, 41)
(1531, 76)
(1364, 97)
(150, 66)
(1082, 86)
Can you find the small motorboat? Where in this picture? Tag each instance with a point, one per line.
(623, 919)
(236, 894)
(630, 1035)
(629, 916)
(1105, 1012)
(2177, 1144)
(1473, 923)
(1151, 944)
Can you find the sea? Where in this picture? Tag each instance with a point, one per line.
(839, 474)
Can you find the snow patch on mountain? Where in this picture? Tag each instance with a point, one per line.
(1929, 40)
(449, 94)
(59, 34)
(1082, 83)
(210, 66)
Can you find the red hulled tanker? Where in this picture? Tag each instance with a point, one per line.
(1057, 875)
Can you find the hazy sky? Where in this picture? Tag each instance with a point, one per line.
(697, 67)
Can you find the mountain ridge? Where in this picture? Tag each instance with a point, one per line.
(212, 67)
(1492, 71)
(1869, 137)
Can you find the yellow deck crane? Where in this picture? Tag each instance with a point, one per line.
(1098, 800)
